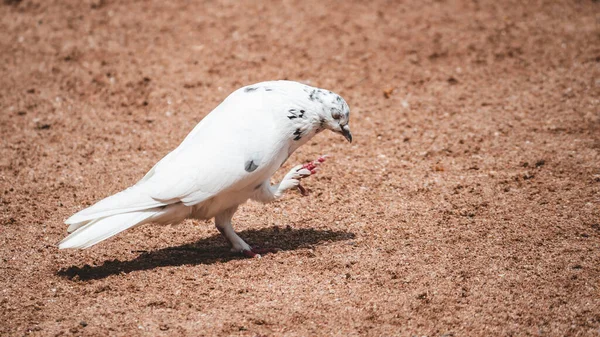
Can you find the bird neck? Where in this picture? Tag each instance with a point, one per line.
(304, 123)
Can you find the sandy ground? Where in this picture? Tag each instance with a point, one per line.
(467, 205)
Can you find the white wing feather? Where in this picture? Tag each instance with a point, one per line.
(210, 160)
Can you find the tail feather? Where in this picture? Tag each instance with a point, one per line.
(132, 199)
(89, 233)
(103, 228)
(74, 226)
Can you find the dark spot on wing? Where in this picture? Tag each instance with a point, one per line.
(250, 166)
(250, 89)
(257, 186)
(268, 89)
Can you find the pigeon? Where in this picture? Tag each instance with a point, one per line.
(228, 158)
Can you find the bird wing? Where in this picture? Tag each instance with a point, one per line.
(243, 131)
(233, 147)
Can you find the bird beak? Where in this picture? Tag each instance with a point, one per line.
(346, 132)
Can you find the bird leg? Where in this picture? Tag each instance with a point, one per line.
(223, 224)
(291, 179)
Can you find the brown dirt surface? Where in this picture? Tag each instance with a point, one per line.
(467, 205)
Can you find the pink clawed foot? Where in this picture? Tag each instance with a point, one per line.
(257, 252)
(313, 167)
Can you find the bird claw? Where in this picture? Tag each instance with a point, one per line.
(312, 168)
(302, 190)
(256, 252)
(313, 165)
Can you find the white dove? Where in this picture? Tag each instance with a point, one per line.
(228, 158)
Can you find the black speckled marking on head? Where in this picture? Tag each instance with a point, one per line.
(250, 89)
(298, 134)
(315, 95)
(250, 166)
(321, 125)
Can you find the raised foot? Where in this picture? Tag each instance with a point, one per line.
(307, 170)
(257, 252)
(313, 165)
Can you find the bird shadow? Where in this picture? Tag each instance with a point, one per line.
(206, 251)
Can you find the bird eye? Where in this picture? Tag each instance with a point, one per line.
(335, 114)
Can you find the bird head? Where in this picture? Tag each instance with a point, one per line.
(336, 115)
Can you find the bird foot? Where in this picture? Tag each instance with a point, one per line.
(256, 252)
(311, 167)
